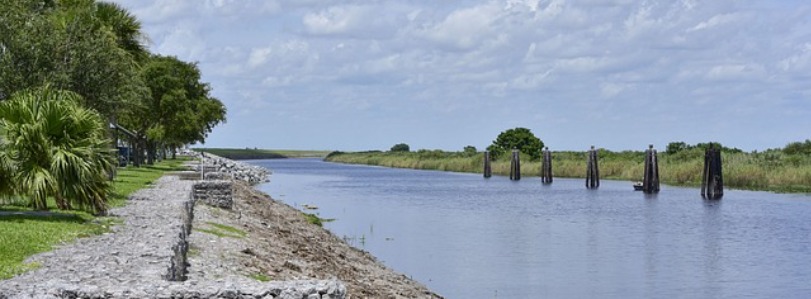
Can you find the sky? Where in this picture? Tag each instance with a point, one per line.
(444, 74)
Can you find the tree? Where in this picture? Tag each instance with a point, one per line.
(55, 147)
(125, 27)
(179, 109)
(798, 148)
(675, 147)
(400, 147)
(70, 45)
(470, 150)
(27, 43)
(521, 139)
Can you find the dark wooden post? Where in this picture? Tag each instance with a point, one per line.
(488, 171)
(712, 180)
(592, 170)
(515, 166)
(650, 183)
(546, 167)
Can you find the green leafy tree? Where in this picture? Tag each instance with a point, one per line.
(521, 139)
(55, 147)
(75, 45)
(675, 147)
(125, 27)
(401, 147)
(798, 148)
(179, 109)
(470, 150)
(28, 41)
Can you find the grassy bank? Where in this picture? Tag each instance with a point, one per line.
(768, 171)
(24, 232)
(253, 154)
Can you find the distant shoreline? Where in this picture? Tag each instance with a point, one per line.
(744, 171)
(258, 154)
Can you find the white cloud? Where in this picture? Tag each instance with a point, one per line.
(718, 20)
(611, 89)
(799, 61)
(466, 28)
(337, 19)
(580, 64)
(735, 72)
(479, 56)
(182, 41)
(285, 52)
(259, 56)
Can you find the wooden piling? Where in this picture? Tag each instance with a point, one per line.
(650, 183)
(488, 171)
(592, 170)
(546, 167)
(515, 165)
(712, 180)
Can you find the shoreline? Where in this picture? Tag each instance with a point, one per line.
(739, 172)
(177, 240)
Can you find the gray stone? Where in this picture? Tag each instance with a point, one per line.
(216, 176)
(142, 255)
(228, 169)
(214, 193)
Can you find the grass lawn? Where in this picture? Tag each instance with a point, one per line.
(24, 232)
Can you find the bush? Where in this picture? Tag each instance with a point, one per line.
(470, 150)
(798, 148)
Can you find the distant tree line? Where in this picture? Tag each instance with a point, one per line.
(676, 147)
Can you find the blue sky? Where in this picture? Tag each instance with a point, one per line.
(618, 74)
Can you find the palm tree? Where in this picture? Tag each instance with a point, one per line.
(126, 28)
(56, 148)
(6, 186)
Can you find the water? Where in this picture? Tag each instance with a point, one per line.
(468, 237)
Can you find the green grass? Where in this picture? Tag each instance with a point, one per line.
(247, 153)
(314, 219)
(131, 179)
(193, 251)
(767, 171)
(24, 232)
(223, 231)
(260, 277)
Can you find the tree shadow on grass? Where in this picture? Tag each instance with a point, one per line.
(20, 216)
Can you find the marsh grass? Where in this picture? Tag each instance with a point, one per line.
(24, 232)
(767, 171)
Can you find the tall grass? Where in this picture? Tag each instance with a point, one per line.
(769, 171)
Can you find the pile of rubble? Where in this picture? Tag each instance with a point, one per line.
(222, 168)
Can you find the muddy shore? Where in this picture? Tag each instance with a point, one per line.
(281, 244)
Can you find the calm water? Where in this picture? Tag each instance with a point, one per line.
(468, 237)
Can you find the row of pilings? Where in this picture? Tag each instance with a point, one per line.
(712, 183)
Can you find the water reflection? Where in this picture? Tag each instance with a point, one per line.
(651, 210)
(713, 226)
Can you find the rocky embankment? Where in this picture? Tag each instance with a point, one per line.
(217, 167)
(210, 239)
